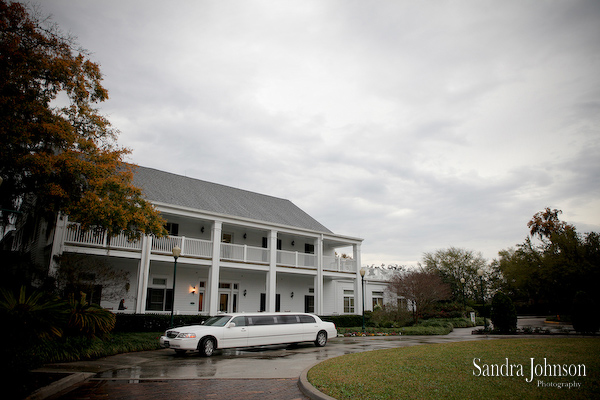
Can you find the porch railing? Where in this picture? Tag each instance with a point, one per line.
(98, 238)
(189, 247)
(296, 259)
(339, 264)
(244, 253)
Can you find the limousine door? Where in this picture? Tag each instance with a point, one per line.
(235, 336)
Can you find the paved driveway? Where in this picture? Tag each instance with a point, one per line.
(231, 371)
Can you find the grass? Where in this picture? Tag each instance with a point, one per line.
(447, 371)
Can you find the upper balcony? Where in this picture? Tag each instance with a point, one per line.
(203, 249)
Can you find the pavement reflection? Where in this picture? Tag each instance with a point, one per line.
(259, 363)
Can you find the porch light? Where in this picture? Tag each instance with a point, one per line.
(292, 295)
(293, 242)
(193, 289)
(244, 292)
(176, 253)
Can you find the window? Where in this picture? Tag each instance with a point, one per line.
(239, 321)
(172, 228)
(263, 302)
(266, 320)
(309, 248)
(377, 300)
(159, 299)
(265, 243)
(227, 238)
(348, 301)
(307, 319)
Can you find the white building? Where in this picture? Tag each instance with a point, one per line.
(240, 251)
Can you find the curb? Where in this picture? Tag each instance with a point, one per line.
(308, 389)
(60, 385)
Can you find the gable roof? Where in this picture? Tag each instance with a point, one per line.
(164, 187)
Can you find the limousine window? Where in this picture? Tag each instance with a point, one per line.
(268, 320)
(217, 321)
(307, 319)
(287, 319)
(239, 321)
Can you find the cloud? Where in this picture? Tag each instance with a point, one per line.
(416, 126)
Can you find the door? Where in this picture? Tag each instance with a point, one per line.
(224, 302)
(309, 304)
(235, 336)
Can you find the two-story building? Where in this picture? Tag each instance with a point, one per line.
(240, 251)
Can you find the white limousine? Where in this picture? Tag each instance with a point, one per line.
(246, 330)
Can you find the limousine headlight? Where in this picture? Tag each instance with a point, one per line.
(186, 335)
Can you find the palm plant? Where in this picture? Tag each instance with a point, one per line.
(32, 316)
(89, 319)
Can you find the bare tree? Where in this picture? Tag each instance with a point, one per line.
(421, 288)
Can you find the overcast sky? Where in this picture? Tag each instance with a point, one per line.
(414, 125)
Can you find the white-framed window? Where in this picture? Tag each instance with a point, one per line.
(377, 298)
(158, 296)
(348, 301)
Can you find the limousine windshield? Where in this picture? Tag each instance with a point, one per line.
(217, 321)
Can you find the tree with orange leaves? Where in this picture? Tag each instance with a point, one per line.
(60, 159)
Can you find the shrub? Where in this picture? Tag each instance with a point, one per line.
(504, 315)
(584, 314)
(154, 322)
(88, 319)
(346, 320)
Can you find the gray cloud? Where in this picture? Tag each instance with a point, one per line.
(414, 125)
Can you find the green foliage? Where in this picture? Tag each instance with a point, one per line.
(550, 267)
(584, 314)
(60, 159)
(88, 319)
(153, 322)
(504, 315)
(345, 320)
(31, 316)
(454, 263)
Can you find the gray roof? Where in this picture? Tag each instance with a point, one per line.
(164, 187)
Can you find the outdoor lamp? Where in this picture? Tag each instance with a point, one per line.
(176, 253)
(362, 280)
(480, 273)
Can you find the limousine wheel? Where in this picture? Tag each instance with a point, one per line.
(321, 339)
(207, 347)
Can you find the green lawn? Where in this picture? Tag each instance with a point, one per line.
(447, 371)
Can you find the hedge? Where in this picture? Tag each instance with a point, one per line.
(154, 322)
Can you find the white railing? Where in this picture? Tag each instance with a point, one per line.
(339, 264)
(74, 234)
(295, 259)
(189, 247)
(244, 253)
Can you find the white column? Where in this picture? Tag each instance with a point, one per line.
(319, 308)
(58, 242)
(358, 287)
(143, 275)
(213, 274)
(271, 284)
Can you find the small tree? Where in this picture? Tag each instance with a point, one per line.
(584, 314)
(504, 315)
(422, 289)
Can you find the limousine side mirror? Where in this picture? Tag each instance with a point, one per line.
(232, 324)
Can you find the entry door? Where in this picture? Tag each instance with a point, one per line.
(224, 302)
(309, 304)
